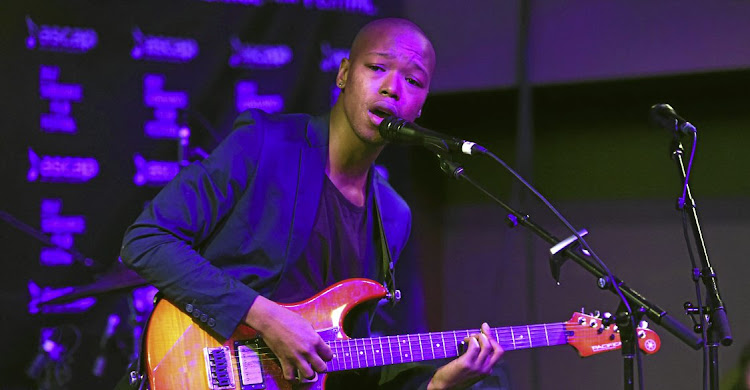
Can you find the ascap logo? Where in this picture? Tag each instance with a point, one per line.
(61, 168)
(59, 119)
(161, 48)
(60, 38)
(247, 97)
(154, 173)
(331, 57)
(606, 347)
(258, 56)
(165, 105)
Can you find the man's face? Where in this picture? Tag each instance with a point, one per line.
(388, 73)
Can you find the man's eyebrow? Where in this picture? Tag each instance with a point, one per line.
(389, 56)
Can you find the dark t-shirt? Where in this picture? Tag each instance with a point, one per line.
(341, 246)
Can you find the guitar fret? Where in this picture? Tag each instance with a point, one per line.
(390, 348)
(512, 338)
(442, 338)
(361, 353)
(411, 354)
(528, 332)
(339, 359)
(546, 335)
(334, 362)
(382, 353)
(421, 350)
(400, 353)
(432, 346)
(520, 338)
(351, 354)
(372, 348)
(455, 340)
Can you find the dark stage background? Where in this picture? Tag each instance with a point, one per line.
(128, 75)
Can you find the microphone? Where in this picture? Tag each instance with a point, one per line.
(400, 130)
(665, 116)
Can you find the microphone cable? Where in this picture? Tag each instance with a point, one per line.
(586, 246)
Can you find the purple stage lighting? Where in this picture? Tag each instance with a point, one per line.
(247, 97)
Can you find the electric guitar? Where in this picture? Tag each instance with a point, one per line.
(181, 355)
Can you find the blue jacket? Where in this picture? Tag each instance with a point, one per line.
(223, 231)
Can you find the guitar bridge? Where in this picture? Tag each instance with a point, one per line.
(219, 368)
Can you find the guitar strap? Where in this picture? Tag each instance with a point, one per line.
(389, 273)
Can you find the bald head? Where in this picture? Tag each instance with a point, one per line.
(390, 31)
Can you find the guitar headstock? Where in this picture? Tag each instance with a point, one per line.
(588, 335)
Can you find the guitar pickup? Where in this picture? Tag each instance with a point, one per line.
(250, 367)
(219, 368)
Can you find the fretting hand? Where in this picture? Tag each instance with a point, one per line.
(476, 363)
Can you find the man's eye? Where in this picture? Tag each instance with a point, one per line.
(414, 82)
(375, 67)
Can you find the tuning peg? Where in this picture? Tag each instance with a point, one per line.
(641, 334)
(643, 325)
(597, 314)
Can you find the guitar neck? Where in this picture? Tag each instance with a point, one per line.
(380, 351)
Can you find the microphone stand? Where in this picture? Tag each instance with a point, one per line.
(637, 301)
(718, 330)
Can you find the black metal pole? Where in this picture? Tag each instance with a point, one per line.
(718, 330)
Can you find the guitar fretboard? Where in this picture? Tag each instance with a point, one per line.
(379, 351)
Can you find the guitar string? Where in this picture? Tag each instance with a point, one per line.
(425, 338)
(265, 353)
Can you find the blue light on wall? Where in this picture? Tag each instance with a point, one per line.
(61, 229)
(154, 173)
(60, 96)
(247, 97)
(165, 105)
(331, 57)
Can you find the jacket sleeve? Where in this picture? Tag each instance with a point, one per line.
(160, 244)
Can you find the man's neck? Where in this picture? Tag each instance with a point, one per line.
(349, 158)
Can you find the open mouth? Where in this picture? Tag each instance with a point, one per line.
(381, 113)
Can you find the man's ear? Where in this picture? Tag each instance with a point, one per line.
(343, 73)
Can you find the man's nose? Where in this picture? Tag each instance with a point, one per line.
(390, 87)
